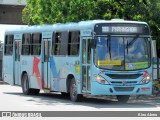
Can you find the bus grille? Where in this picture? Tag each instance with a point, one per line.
(123, 89)
(124, 76)
(120, 83)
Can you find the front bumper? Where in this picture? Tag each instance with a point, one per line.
(137, 89)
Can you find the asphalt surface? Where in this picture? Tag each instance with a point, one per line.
(12, 98)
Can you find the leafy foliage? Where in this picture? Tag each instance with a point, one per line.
(55, 11)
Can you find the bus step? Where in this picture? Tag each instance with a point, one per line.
(46, 90)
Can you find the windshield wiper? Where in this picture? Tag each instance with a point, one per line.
(131, 43)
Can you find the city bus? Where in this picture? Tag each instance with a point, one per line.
(94, 57)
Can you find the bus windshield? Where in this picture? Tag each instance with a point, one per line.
(122, 53)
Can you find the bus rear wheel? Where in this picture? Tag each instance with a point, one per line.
(25, 86)
(73, 92)
(123, 98)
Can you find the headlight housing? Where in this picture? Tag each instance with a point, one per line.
(100, 79)
(146, 80)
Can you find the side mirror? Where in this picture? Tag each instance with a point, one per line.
(93, 43)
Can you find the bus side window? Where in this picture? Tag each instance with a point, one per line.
(86, 51)
(60, 44)
(36, 44)
(89, 51)
(73, 43)
(56, 44)
(8, 45)
(26, 44)
(53, 42)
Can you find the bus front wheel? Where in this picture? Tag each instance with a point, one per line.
(73, 92)
(123, 98)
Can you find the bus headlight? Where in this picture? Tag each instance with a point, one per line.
(146, 80)
(101, 80)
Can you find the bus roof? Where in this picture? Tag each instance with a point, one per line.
(4, 27)
(89, 24)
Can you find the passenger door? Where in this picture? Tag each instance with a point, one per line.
(17, 49)
(46, 60)
(86, 64)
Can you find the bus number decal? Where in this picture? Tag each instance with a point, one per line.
(86, 33)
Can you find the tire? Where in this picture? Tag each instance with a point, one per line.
(73, 92)
(25, 86)
(123, 98)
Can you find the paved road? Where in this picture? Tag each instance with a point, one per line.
(12, 99)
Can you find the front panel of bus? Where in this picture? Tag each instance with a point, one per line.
(122, 59)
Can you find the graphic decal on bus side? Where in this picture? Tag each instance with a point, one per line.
(37, 73)
(56, 74)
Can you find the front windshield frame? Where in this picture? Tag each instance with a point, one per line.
(147, 41)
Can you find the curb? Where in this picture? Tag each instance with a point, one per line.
(3, 83)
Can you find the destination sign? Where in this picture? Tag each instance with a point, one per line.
(120, 29)
(103, 29)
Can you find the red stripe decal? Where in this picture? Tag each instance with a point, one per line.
(36, 72)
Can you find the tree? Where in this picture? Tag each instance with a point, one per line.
(55, 11)
(61, 11)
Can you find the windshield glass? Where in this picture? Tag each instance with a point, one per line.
(122, 53)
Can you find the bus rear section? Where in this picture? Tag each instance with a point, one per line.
(121, 60)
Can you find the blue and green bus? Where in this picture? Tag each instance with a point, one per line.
(95, 57)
